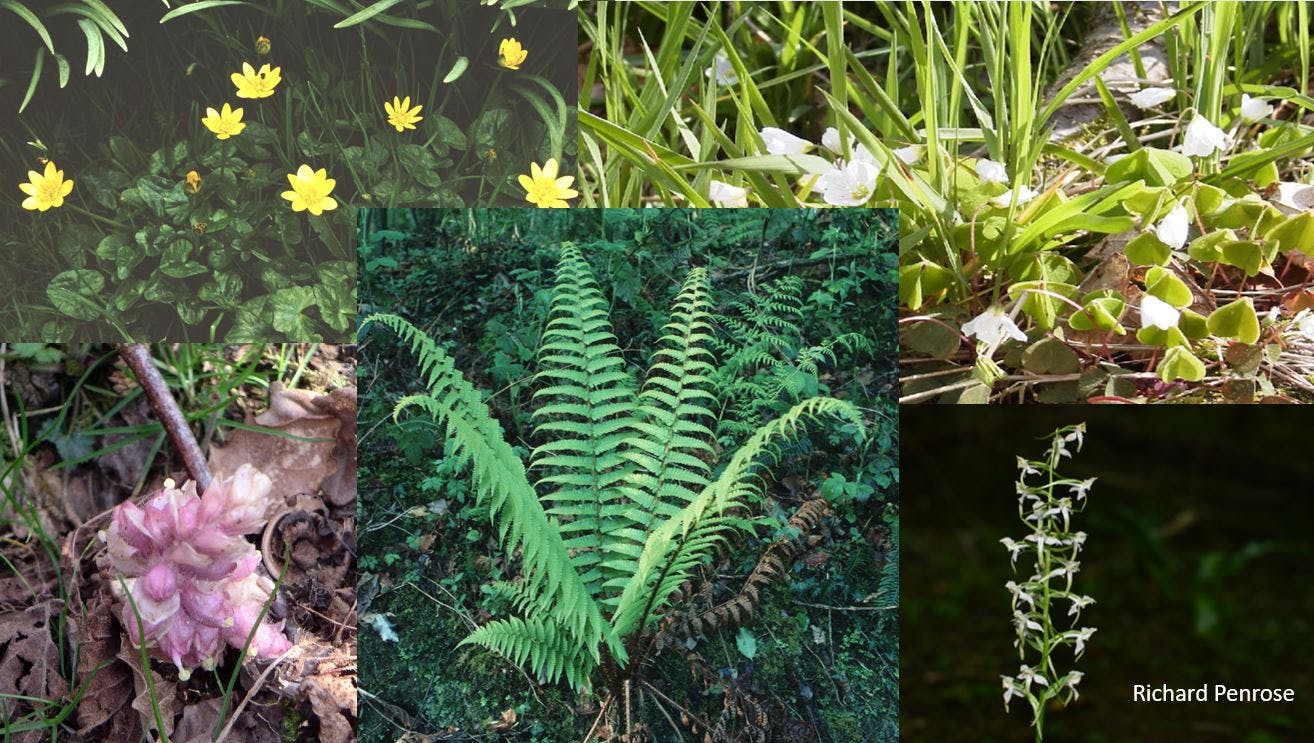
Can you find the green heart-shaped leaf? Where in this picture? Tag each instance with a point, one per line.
(1179, 363)
(1147, 250)
(1100, 310)
(922, 281)
(1050, 355)
(1235, 320)
(1155, 166)
(76, 293)
(1162, 283)
(1296, 233)
(1208, 247)
(1244, 254)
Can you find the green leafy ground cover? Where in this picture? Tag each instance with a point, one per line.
(1108, 201)
(820, 657)
(213, 231)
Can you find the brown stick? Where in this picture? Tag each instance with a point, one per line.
(138, 357)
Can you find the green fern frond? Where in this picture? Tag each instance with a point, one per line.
(589, 401)
(501, 486)
(690, 538)
(550, 652)
(887, 593)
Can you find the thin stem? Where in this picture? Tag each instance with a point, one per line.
(138, 358)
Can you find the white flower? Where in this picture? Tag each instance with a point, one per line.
(1254, 109)
(1079, 603)
(1027, 675)
(723, 70)
(781, 142)
(1024, 194)
(910, 155)
(1293, 198)
(862, 154)
(1023, 623)
(1041, 538)
(1060, 445)
(1151, 97)
(1080, 637)
(1304, 323)
(1014, 548)
(1020, 594)
(1074, 678)
(1010, 690)
(830, 140)
(1156, 312)
(848, 184)
(1203, 138)
(724, 194)
(1064, 509)
(990, 171)
(993, 326)
(1080, 489)
(1025, 468)
(1172, 230)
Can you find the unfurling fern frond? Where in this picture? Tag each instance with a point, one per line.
(501, 486)
(689, 538)
(590, 399)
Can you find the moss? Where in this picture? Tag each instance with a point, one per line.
(443, 686)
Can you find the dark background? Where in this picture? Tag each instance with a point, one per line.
(1198, 556)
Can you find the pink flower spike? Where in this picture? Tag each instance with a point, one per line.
(160, 582)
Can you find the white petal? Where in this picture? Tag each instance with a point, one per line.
(830, 139)
(911, 154)
(724, 194)
(1254, 109)
(1151, 97)
(1156, 312)
(1172, 230)
(781, 142)
(990, 171)
(1203, 138)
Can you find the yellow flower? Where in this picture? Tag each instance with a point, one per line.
(512, 54)
(400, 113)
(310, 191)
(262, 46)
(544, 188)
(193, 181)
(224, 123)
(252, 84)
(45, 190)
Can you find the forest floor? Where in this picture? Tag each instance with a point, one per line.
(80, 438)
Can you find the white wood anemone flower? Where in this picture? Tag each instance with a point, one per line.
(781, 142)
(725, 195)
(1173, 229)
(1255, 109)
(990, 171)
(848, 184)
(1151, 97)
(992, 327)
(1203, 139)
(1157, 313)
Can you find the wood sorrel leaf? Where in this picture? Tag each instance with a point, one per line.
(1235, 320)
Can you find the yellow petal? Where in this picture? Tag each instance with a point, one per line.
(68, 188)
(304, 172)
(30, 189)
(30, 203)
(34, 177)
(249, 71)
(550, 169)
(50, 169)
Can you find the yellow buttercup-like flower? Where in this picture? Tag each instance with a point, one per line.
(544, 188)
(45, 190)
(401, 115)
(310, 191)
(263, 46)
(224, 123)
(512, 54)
(252, 84)
(193, 181)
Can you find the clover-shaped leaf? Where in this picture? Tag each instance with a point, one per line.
(1179, 363)
(1235, 320)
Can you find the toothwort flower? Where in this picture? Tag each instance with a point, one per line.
(190, 572)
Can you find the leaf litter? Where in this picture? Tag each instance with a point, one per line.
(63, 649)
